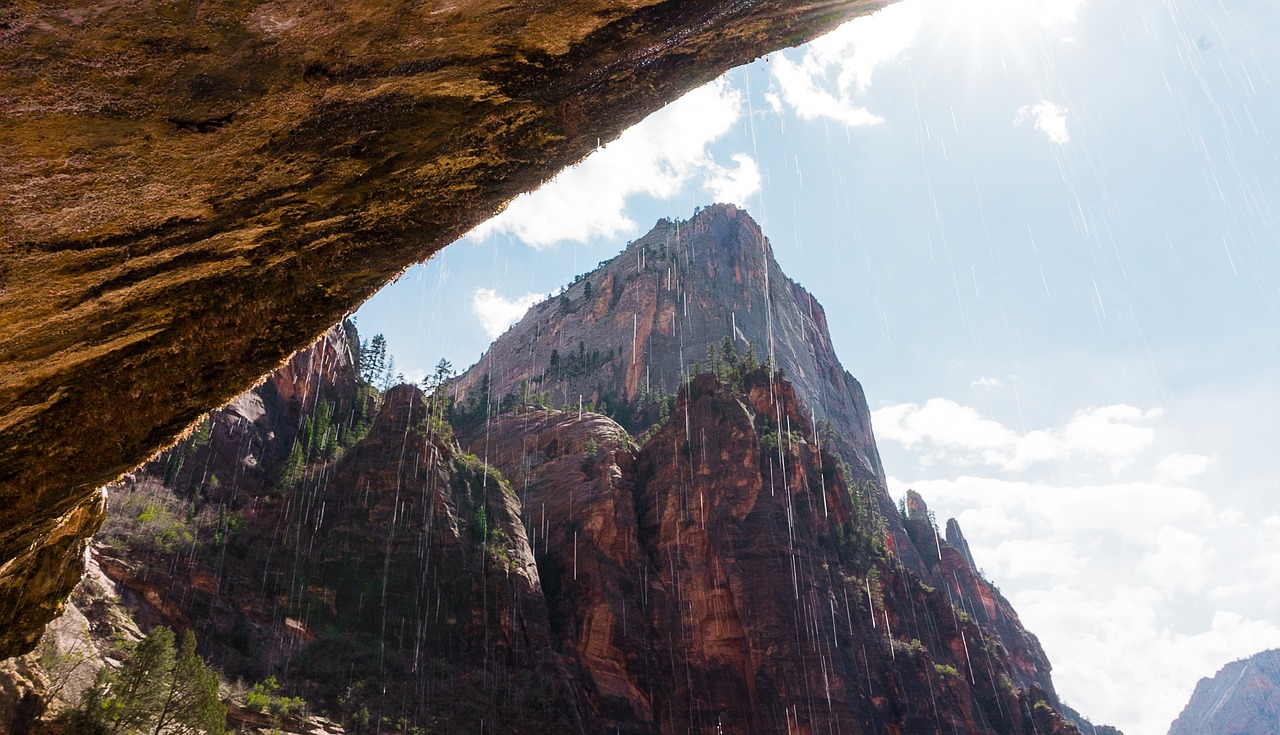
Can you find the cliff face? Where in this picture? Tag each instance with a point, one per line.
(621, 338)
(723, 578)
(731, 570)
(949, 566)
(633, 329)
(191, 191)
(362, 559)
(1243, 698)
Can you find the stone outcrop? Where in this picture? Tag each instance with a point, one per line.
(191, 191)
(35, 581)
(1243, 698)
(722, 578)
(949, 565)
(396, 577)
(707, 583)
(624, 336)
(728, 569)
(632, 330)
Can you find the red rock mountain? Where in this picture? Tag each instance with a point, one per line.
(1243, 698)
(633, 329)
(710, 550)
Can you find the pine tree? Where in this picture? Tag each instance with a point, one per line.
(373, 359)
(294, 464)
(154, 692)
(389, 376)
(192, 703)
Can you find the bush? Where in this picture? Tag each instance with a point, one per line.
(265, 697)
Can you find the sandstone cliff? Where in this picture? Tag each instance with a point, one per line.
(386, 571)
(632, 330)
(725, 577)
(949, 565)
(1243, 698)
(622, 337)
(191, 191)
(730, 567)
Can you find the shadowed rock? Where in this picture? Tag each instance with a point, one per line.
(191, 191)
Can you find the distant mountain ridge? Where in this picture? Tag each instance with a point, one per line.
(1243, 698)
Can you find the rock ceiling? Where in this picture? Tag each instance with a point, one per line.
(192, 190)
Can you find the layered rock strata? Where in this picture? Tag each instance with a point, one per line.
(191, 191)
(724, 577)
(712, 581)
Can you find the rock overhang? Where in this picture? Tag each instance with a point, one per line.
(193, 191)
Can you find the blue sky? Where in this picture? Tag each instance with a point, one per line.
(1046, 236)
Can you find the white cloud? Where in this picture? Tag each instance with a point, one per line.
(958, 435)
(852, 53)
(1178, 560)
(497, 312)
(987, 382)
(658, 157)
(1050, 119)
(734, 185)
(1130, 586)
(1134, 569)
(833, 76)
(1180, 467)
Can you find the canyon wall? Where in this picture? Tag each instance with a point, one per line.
(191, 191)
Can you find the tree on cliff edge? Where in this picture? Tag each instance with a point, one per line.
(155, 691)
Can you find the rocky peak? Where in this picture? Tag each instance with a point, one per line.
(633, 329)
(957, 541)
(949, 565)
(1243, 698)
(917, 509)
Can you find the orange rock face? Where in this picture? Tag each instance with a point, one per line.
(949, 565)
(732, 569)
(190, 192)
(710, 581)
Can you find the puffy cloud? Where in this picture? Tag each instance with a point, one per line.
(497, 312)
(734, 185)
(1180, 467)
(1136, 573)
(1050, 119)
(1129, 585)
(833, 75)
(960, 436)
(1177, 560)
(848, 56)
(659, 157)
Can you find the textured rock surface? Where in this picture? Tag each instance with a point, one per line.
(949, 565)
(631, 330)
(704, 583)
(723, 578)
(35, 581)
(191, 191)
(634, 327)
(396, 577)
(728, 572)
(1243, 698)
